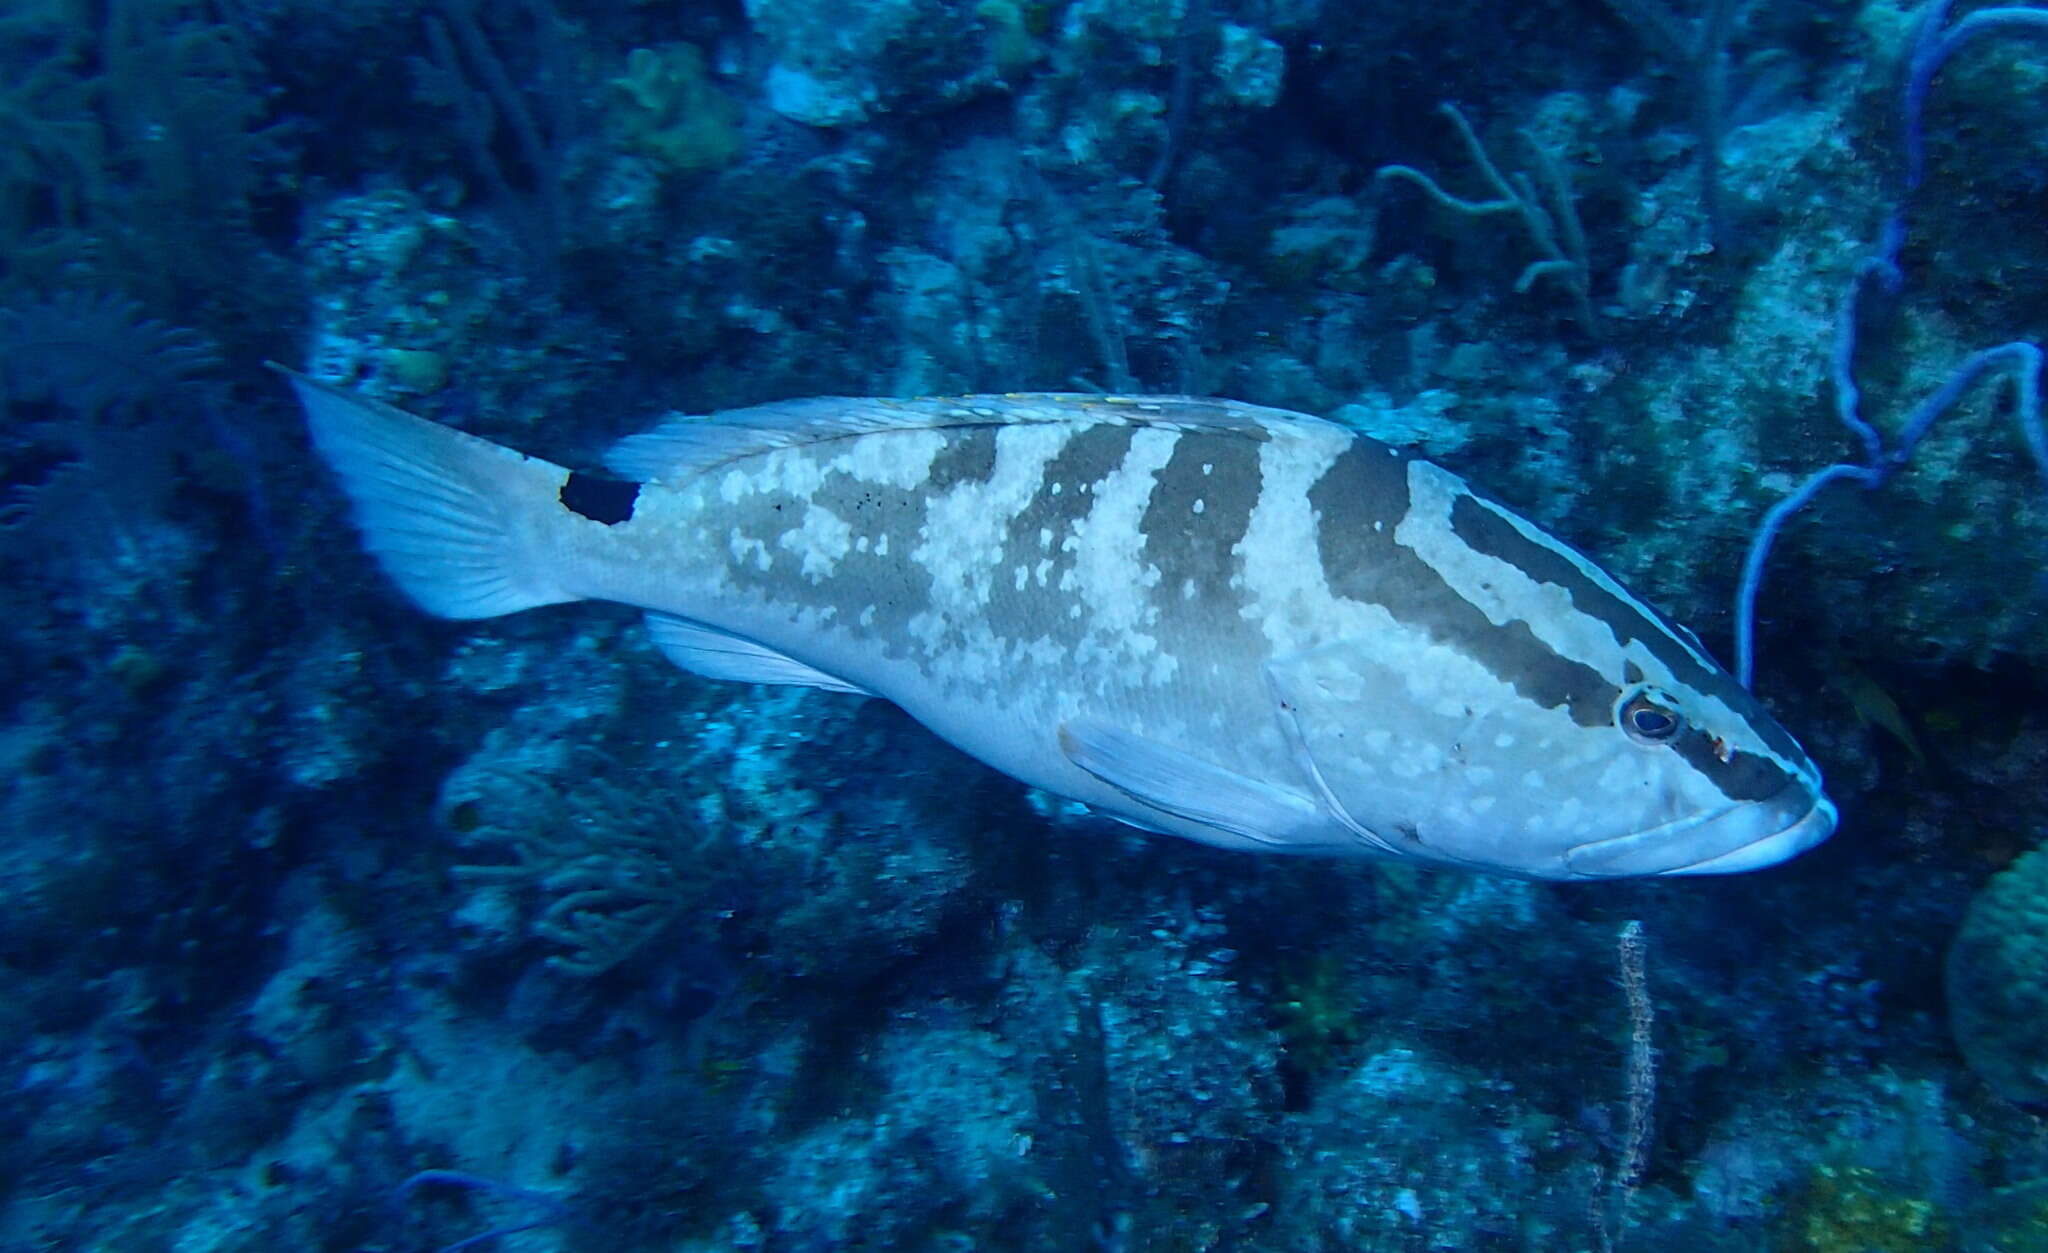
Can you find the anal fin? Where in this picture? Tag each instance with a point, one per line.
(1184, 785)
(717, 654)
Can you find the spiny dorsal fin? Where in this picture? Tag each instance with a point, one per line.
(685, 446)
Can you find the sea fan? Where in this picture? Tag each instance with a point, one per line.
(71, 367)
(94, 354)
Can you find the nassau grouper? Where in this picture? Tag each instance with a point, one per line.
(1244, 626)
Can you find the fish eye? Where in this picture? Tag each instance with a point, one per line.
(1648, 716)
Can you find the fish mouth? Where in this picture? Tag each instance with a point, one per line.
(1726, 841)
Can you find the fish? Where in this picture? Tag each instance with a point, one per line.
(1248, 627)
(1873, 705)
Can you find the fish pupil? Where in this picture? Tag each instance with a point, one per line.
(1648, 718)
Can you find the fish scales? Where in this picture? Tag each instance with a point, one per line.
(1245, 626)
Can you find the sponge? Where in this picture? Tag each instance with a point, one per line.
(1998, 982)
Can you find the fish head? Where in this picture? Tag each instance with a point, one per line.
(1649, 774)
(1702, 784)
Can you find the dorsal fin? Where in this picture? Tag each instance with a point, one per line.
(685, 446)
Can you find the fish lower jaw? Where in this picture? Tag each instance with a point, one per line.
(1816, 825)
(1730, 841)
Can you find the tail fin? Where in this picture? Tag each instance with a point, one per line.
(456, 520)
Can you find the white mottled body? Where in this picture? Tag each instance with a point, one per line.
(1249, 627)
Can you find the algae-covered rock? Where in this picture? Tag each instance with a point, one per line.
(669, 108)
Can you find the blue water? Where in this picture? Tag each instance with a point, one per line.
(332, 926)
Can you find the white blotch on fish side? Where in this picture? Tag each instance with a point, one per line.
(785, 471)
(1417, 758)
(820, 542)
(900, 459)
(1281, 574)
(747, 549)
(1108, 578)
(1046, 652)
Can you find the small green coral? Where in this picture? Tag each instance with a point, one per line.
(1317, 1013)
(2014, 1217)
(1849, 1210)
(1998, 981)
(1013, 44)
(671, 110)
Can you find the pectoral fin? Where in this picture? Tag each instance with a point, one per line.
(1185, 786)
(717, 654)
